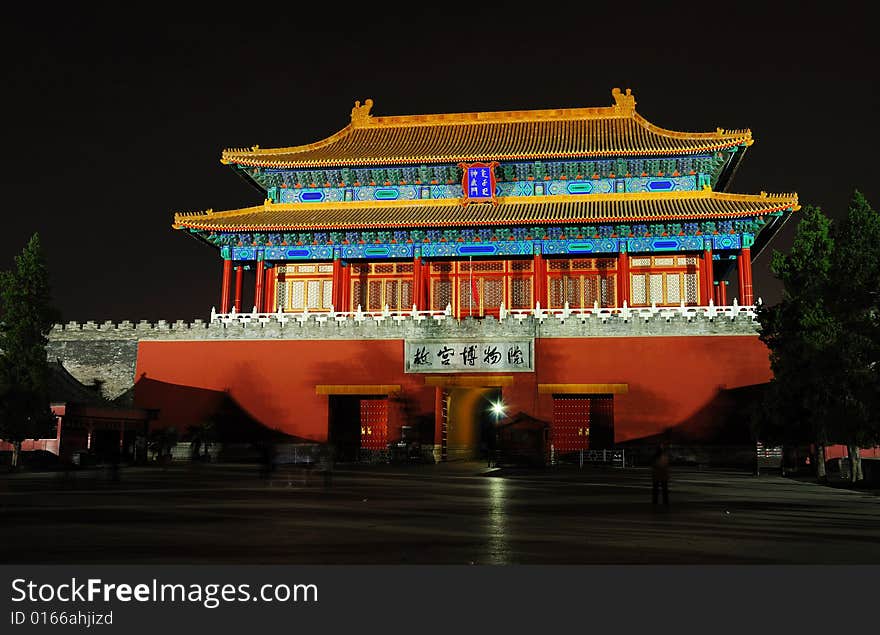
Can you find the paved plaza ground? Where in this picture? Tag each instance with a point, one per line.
(455, 513)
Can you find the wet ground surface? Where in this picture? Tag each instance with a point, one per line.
(455, 513)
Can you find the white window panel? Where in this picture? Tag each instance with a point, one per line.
(328, 294)
(690, 288)
(297, 295)
(657, 288)
(638, 289)
(313, 294)
(673, 288)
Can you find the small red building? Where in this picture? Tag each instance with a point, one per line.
(87, 423)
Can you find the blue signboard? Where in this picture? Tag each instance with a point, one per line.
(479, 180)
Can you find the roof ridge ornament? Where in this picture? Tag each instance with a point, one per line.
(360, 115)
(623, 102)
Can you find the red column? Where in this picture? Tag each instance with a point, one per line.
(417, 284)
(722, 293)
(623, 278)
(540, 280)
(269, 300)
(426, 285)
(709, 283)
(337, 284)
(239, 274)
(744, 268)
(345, 290)
(224, 286)
(258, 284)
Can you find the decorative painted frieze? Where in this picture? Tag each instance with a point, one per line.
(374, 183)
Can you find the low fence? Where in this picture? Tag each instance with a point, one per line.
(615, 457)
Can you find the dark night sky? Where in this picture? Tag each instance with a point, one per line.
(114, 120)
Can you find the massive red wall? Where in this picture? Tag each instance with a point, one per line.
(273, 380)
(673, 381)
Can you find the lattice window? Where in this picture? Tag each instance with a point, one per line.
(468, 304)
(688, 261)
(656, 290)
(491, 265)
(383, 268)
(520, 265)
(493, 293)
(358, 295)
(591, 290)
(441, 294)
(664, 262)
(673, 288)
(573, 292)
(640, 262)
(374, 295)
(406, 296)
(691, 295)
(583, 264)
(297, 295)
(608, 290)
(313, 294)
(404, 268)
(557, 292)
(357, 270)
(442, 267)
(327, 290)
(325, 268)
(555, 264)
(391, 296)
(282, 293)
(607, 263)
(638, 289)
(307, 269)
(521, 293)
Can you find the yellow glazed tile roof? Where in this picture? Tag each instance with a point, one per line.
(612, 131)
(569, 209)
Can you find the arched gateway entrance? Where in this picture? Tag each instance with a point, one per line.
(466, 413)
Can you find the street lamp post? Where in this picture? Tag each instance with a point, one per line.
(498, 411)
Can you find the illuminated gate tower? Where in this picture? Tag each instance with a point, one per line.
(486, 213)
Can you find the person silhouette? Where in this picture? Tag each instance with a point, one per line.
(660, 474)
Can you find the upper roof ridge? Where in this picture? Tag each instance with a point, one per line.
(598, 131)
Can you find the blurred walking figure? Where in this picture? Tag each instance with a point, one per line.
(325, 463)
(660, 474)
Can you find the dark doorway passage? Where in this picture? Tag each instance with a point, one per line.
(471, 422)
(344, 431)
(358, 424)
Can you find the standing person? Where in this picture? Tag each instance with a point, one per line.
(325, 463)
(660, 474)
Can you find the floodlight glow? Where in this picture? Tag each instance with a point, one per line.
(498, 408)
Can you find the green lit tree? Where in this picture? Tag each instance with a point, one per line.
(799, 332)
(824, 336)
(855, 302)
(26, 317)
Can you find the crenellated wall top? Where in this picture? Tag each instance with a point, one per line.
(699, 321)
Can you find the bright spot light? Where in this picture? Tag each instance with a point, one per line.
(498, 408)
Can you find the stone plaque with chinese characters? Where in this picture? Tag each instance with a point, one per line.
(440, 356)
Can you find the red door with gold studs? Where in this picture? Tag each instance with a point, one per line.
(570, 431)
(374, 424)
